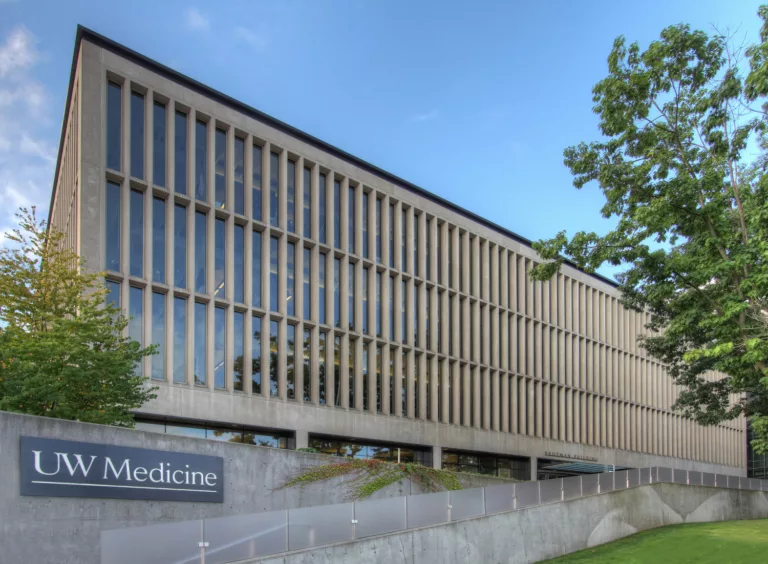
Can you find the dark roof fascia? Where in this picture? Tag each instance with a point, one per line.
(220, 97)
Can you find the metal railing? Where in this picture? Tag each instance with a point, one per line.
(240, 537)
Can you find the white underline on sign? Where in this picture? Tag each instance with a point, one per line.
(126, 487)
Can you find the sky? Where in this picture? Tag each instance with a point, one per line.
(473, 101)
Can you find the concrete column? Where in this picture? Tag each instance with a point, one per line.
(437, 457)
(534, 469)
(302, 439)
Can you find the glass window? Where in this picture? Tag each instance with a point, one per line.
(351, 374)
(403, 236)
(416, 342)
(201, 160)
(337, 214)
(114, 126)
(200, 252)
(221, 168)
(403, 311)
(158, 144)
(427, 393)
(239, 175)
(307, 276)
(290, 372)
(219, 282)
(351, 213)
(378, 304)
(239, 252)
(137, 234)
(219, 338)
(427, 305)
(439, 257)
(256, 355)
(273, 262)
(428, 249)
(158, 240)
(180, 340)
(180, 246)
(180, 152)
(391, 235)
(136, 314)
(365, 224)
(112, 222)
(239, 338)
(416, 245)
(274, 189)
(307, 344)
(378, 229)
(416, 359)
(256, 269)
(291, 280)
(201, 349)
(158, 335)
(291, 188)
(307, 197)
(274, 389)
(337, 292)
(323, 193)
(365, 300)
(392, 395)
(391, 308)
(321, 356)
(378, 379)
(137, 135)
(256, 181)
(403, 384)
(337, 371)
(113, 294)
(321, 288)
(351, 298)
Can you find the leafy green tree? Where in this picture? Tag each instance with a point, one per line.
(62, 349)
(682, 166)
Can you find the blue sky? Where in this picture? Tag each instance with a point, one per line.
(474, 101)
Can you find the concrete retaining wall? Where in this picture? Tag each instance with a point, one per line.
(62, 530)
(545, 531)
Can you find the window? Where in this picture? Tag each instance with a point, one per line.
(273, 262)
(321, 288)
(391, 308)
(201, 162)
(416, 360)
(221, 168)
(404, 384)
(307, 277)
(158, 240)
(219, 340)
(112, 222)
(256, 181)
(256, 355)
(351, 297)
(179, 340)
(365, 300)
(323, 193)
(439, 321)
(291, 187)
(321, 356)
(219, 273)
(337, 292)
(137, 135)
(366, 399)
(439, 254)
(337, 214)
(416, 342)
(351, 373)
(114, 126)
(427, 305)
(113, 294)
(378, 379)
(416, 245)
(307, 197)
(392, 396)
(403, 236)
(428, 250)
(378, 230)
(239, 251)
(451, 283)
(378, 304)
(365, 225)
(290, 372)
(256, 269)
(403, 311)
(158, 144)
(239, 176)
(201, 348)
(290, 299)
(427, 391)
(180, 246)
(439, 394)
(351, 213)
(337, 371)
(274, 388)
(307, 344)
(136, 315)
(137, 234)
(158, 335)
(274, 189)
(180, 152)
(391, 235)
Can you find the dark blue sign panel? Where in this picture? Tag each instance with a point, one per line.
(56, 468)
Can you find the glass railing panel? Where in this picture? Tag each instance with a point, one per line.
(526, 494)
(240, 537)
(645, 476)
(315, 526)
(589, 484)
(379, 516)
(680, 476)
(707, 479)
(620, 479)
(467, 503)
(606, 482)
(153, 544)
(551, 490)
(571, 487)
(694, 477)
(499, 498)
(427, 509)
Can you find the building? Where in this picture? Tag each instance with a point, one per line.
(303, 297)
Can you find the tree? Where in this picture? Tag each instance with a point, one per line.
(62, 349)
(682, 167)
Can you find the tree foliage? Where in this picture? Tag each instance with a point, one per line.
(62, 349)
(682, 166)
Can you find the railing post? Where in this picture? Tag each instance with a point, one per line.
(538, 489)
(581, 486)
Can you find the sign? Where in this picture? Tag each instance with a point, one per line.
(56, 468)
(571, 456)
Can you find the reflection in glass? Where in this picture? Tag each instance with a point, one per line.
(112, 223)
(219, 255)
(403, 237)
(239, 342)
(256, 355)
(158, 144)
(416, 244)
(377, 399)
(180, 246)
(403, 312)
(351, 301)
(256, 181)
(323, 193)
(351, 374)
(137, 135)
(337, 292)
(378, 304)
(337, 371)
(219, 338)
(378, 229)
(136, 314)
(179, 340)
(321, 356)
(239, 252)
(291, 280)
(391, 235)
(180, 152)
(428, 249)
(137, 234)
(416, 342)
(114, 125)
(113, 294)
(427, 391)
(392, 396)
(351, 213)
(291, 200)
(307, 197)
(321, 288)
(274, 189)
(274, 388)
(307, 344)
(307, 276)
(404, 384)
(200, 252)
(337, 214)
(158, 335)
(239, 175)
(256, 269)
(201, 356)
(364, 370)
(365, 224)
(158, 240)
(290, 372)
(201, 160)
(391, 308)
(365, 299)
(273, 262)
(416, 359)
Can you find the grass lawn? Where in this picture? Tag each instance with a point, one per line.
(702, 543)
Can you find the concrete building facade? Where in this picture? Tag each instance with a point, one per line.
(301, 296)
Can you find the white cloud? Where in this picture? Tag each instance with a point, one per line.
(252, 38)
(196, 21)
(17, 52)
(427, 116)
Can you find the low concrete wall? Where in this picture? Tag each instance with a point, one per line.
(62, 530)
(545, 531)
